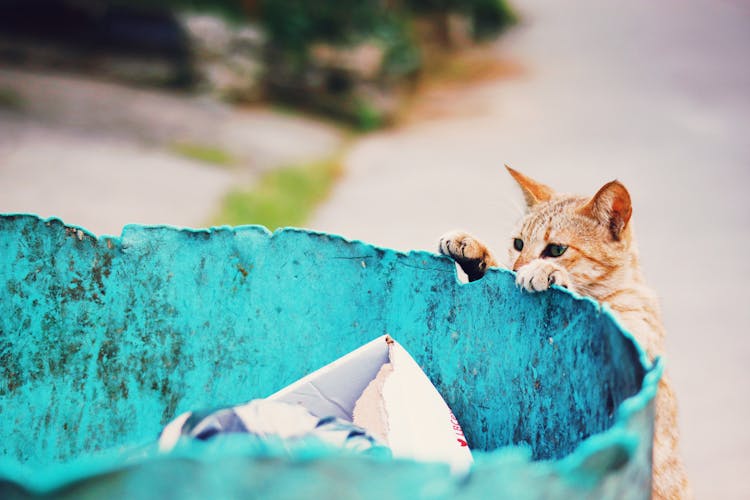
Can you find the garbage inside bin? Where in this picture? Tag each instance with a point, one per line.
(375, 394)
(381, 388)
(103, 340)
(284, 425)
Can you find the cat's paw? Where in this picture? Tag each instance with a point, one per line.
(471, 254)
(539, 274)
(461, 246)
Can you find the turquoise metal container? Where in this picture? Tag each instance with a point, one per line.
(104, 340)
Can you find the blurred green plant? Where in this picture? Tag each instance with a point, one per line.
(333, 55)
(367, 117)
(488, 17)
(10, 99)
(402, 55)
(293, 25)
(203, 153)
(281, 198)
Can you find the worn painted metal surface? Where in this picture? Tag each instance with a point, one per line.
(103, 340)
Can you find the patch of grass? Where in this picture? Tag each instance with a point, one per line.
(205, 154)
(366, 117)
(283, 197)
(10, 99)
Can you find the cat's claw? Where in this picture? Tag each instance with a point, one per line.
(471, 254)
(539, 274)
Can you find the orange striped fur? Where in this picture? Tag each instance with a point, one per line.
(600, 261)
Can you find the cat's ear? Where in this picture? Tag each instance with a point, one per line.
(611, 207)
(533, 191)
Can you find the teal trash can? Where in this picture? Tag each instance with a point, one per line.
(104, 340)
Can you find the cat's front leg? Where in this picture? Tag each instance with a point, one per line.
(471, 254)
(539, 274)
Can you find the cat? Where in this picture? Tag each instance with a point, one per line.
(586, 244)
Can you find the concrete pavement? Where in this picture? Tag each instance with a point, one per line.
(103, 183)
(100, 155)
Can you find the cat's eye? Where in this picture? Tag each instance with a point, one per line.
(554, 250)
(518, 244)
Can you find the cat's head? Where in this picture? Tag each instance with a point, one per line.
(588, 236)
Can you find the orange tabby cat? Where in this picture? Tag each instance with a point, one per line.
(586, 245)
